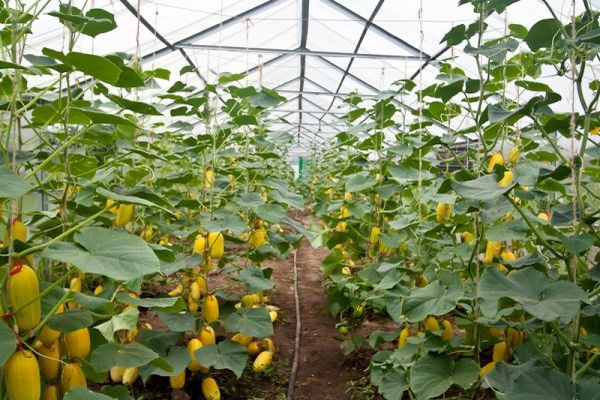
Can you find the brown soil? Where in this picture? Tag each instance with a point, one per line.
(323, 371)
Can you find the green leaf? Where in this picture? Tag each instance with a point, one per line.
(93, 23)
(81, 393)
(95, 66)
(135, 106)
(508, 230)
(543, 34)
(406, 174)
(70, 320)
(131, 199)
(393, 384)
(99, 117)
(254, 278)
(433, 299)
(359, 182)
(532, 383)
(227, 77)
(534, 86)
(178, 359)
(226, 355)
(255, 322)
(109, 252)
(10, 65)
(129, 355)
(273, 213)
(125, 320)
(433, 374)
(544, 299)
(178, 322)
(153, 302)
(7, 342)
(578, 244)
(12, 185)
(484, 188)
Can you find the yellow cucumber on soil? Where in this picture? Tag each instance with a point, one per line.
(210, 309)
(210, 389)
(262, 361)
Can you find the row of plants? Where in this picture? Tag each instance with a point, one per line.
(477, 248)
(134, 247)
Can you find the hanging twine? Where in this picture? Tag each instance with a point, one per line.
(421, 40)
(260, 70)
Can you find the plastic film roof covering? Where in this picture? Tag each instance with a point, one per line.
(222, 30)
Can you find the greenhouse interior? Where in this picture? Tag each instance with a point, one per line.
(300, 199)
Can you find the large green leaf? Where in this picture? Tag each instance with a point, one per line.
(255, 322)
(129, 355)
(126, 320)
(393, 384)
(81, 393)
(226, 355)
(178, 359)
(543, 34)
(95, 66)
(11, 184)
(531, 382)
(433, 374)
(70, 320)
(484, 188)
(359, 182)
(433, 299)
(7, 342)
(254, 278)
(541, 297)
(109, 252)
(93, 23)
(153, 302)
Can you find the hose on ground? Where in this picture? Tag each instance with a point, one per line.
(294, 371)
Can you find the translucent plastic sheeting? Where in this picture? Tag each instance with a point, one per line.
(233, 32)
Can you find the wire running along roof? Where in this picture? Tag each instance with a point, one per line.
(313, 51)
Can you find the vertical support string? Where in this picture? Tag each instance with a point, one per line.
(260, 70)
(421, 40)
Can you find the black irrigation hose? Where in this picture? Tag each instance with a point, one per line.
(294, 371)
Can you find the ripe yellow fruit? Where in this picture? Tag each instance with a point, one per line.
(193, 345)
(501, 352)
(48, 335)
(492, 250)
(346, 271)
(247, 301)
(210, 389)
(496, 159)
(116, 374)
(19, 232)
(98, 290)
(242, 339)
(515, 338)
(262, 362)
(193, 305)
(341, 226)
(254, 348)
(209, 178)
(49, 361)
(374, 235)
(216, 244)
(177, 381)
(199, 244)
(273, 315)
(507, 179)
(124, 214)
(77, 343)
(72, 376)
(448, 333)
(432, 325)
(177, 291)
(23, 288)
(22, 376)
(347, 196)
(487, 368)
(51, 393)
(513, 154)
(112, 206)
(210, 309)
(544, 216)
(195, 290)
(345, 212)
(202, 283)
(443, 212)
(403, 338)
(207, 335)
(508, 255)
(130, 375)
(468, 237)
(148, 233)
(258, 237)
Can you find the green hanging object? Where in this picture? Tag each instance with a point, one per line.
(300, 166)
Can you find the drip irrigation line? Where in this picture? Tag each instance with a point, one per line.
(294, 372)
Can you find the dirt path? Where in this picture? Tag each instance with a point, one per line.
(322, 373)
